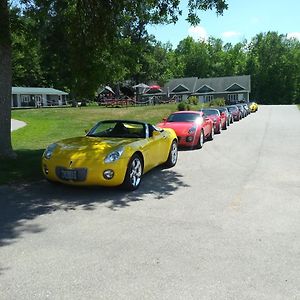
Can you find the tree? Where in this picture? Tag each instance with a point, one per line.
(274, 68)
(5, 81)
(26, 52)
(90, 25)
(195, 56)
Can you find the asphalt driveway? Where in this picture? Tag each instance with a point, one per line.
(223, 224)
(16, 124)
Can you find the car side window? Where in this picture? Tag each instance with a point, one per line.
(151, 129)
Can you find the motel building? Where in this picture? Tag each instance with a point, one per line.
(37, 97)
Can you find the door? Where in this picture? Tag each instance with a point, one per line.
(207, 126)
(38, 101)
(154, 148)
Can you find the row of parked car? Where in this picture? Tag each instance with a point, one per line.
(194, 127)
(119, 152)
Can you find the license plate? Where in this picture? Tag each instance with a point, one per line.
(68, 174)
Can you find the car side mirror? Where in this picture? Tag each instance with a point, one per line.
(164, 119)
(155, 133)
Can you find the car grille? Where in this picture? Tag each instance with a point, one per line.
(78, 174)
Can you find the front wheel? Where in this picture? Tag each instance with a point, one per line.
(201, 140)
(224, 127)
(134, 173)
(211, 135)
(173, 155)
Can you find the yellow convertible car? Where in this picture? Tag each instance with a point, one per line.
(113, 152)
(253, 106)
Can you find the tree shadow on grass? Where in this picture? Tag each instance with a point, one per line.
(27, 166)
(24, 202)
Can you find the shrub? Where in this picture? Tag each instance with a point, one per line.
(181, 106)
(193, 100)
(217, 102)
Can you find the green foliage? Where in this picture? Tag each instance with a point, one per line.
(217, 102)
(185, 105)
(274, 63)
(181, 106)
(77, 47)
(52, 48)
(193, 100)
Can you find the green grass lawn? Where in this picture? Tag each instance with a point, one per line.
(47, 125)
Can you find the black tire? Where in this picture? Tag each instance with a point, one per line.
(215, 129)
(134, 173)
(211, 136)
(173, 155)
(219, 129)
(201, 140)
(225, 126)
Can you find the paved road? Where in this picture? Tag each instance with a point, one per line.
(15, 124)
(223, 224)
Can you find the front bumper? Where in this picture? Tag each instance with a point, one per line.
(84, 172)
(187, 141)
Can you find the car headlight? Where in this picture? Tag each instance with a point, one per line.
(192, 129)
(113, 156)
(49, 150)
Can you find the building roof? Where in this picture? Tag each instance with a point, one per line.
(208, 85)
(225, 84)
(36, 91)
(181, 84)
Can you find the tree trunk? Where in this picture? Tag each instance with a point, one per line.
(5, 82)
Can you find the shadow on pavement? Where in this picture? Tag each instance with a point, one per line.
(20, 203)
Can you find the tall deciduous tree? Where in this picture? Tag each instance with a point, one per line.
(273, 66)
(5, 81)
(90, 26)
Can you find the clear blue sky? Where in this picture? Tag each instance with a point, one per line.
(243, 20)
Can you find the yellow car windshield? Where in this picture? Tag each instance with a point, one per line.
(118, 129)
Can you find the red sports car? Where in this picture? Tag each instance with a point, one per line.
(235, 112)
(215, 116)
(191, 127)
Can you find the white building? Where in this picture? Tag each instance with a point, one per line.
(37, 97)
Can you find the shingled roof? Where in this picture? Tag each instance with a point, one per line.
(194, 85)
(36, 91)
(223, 84)
(181, 85)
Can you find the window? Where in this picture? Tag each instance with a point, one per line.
(26, 100)
(208, 98)
(233, 97)
(183, 117)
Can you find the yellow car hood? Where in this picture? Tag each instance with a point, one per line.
(89, 147)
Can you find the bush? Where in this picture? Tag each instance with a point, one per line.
(217, 102)
(193, 100)
(181, 106)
